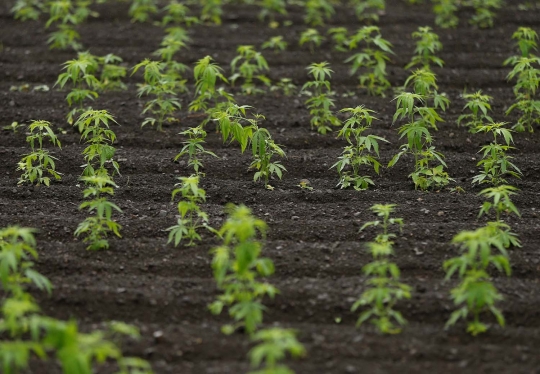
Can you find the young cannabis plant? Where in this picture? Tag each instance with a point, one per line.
(94, 128)
(501, 203)
(175, 39)
(286, 86)
(476, 293)
(340, 38)
(368, 9)
(320, 102)
(80, 73)
(312, 38)
(445, 13)
(271, 8)
(427, 45)
(66, 14)
(272, 346)
(317, 11)
(192, 218)
(362, 150)
(384, 288)
(495, 163)
(249, 64)
(25, 10)
(419, 140)
(96, 228)
(527, 74)
(162, 87)
(29, 335)
(484, 12)
(479, 105)
(39, 163)
(263, 148)
(237, 265)
(194, 148)
(206, 74)
(177, 14)
(275, 43)
(211, 11)
(142, 10)
(371, 60)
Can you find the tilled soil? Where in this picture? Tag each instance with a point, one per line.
(313, 240)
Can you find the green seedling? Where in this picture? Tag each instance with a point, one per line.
(340, 38)
(162, 87)
(249, 64)
(67, 14)
(427, 45)
(286, 86)
(496, 163)
(361, 150)
(15, 126)
(112, 73)
(371, 60)
(95, 131)
(383, 211)
(527, 74)
(80, 73)
(479, 105)
(271, 8)
(263, 149)
(312, 38)
(476, 293)
(368, 9)
(177, 14)
(317, 11)
(39, 163)
(272, 346)
(237, 265)
(206, 74)
(384, 288)
(142, 10)
(175, 39)
(192, 217)
(211, 11)
(305, 184)
(26, 10)
(96, 228)
(28, 335)
(484, 12)
(411, 106)
(502, 203)
(194, 148)
(445, 13)
(275, 43)
(320, 102)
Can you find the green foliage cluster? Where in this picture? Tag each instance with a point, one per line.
(361, 150)
(526, 72)
(38, 164)
(99, 153)
(483, 17)
(238, 265)
(496, 163)
(476, 294)
(368, 10)
(384, 288)
(371, 60)
(427, 45)
(479, 106)
(87, 75)
(312, 38)
(249, 65)
(235, 124)
(192, 217)
(320, 101)
(317, 11)
(27, 333)
(420, 109)
(207, 73)
(162, 87)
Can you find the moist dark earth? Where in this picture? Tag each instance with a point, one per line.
(313, 236)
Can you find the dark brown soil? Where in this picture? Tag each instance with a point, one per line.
(314, 237)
